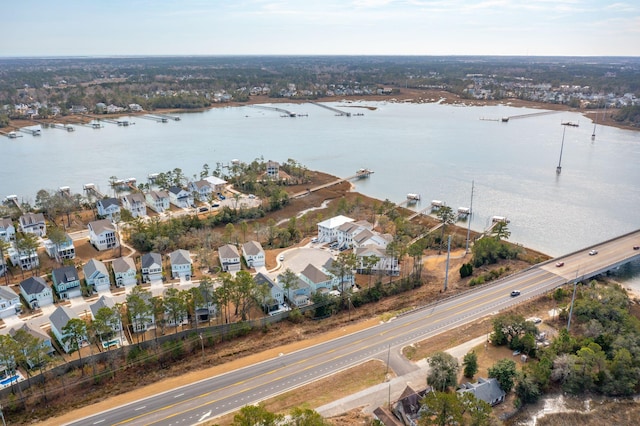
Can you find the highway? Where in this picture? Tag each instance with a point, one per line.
(228, 392)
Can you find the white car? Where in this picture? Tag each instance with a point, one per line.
(281, 257)
(593, 252)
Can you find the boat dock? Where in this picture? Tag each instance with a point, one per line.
(32, 132)
(13, 199)
(122, 123)
(92, 190)
(338, 112)
(360, 174)
(168, 117)
(154, 118)
(286, 113)
(532, 114)
(11, 135)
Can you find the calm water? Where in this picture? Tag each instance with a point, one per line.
(431, 149)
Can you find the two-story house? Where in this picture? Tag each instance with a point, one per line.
(253, 254)
(25, 259)
(66, 282)
(151, 267)
(135, 203)
(7, 230)
(33, 223)
(386, 264)
(9, 302)
(318, 280)
(180, 197)
(180, 264)
(124, 271)
(114, 337)
(108, 208)
(216, 183)
(158, 201)
(43, 338)
(202, 189)
(349, 230)
(102, 234)
(97, 275)
(229, 258)
(36, 292)
(328, 229)
(61, 251)
(59, 319)
(275, 297)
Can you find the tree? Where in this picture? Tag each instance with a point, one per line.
(527, 390)
(441, 408)
(27, 244)
(501, 231)
(139, 309)
(470, 363)
(447, 217)
(343, 267)
(57, 237)
(368, 262)
(74, 333)
(9, 354)
(504, 371)
(4, 246)
(175, 305)
(306, 417)
(103, 326)
(289, 281)
(253, 415)
(443, 371)
(206, 290)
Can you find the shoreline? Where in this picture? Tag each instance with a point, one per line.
(402, 96)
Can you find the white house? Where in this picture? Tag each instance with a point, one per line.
(102, 234)
(135, 203)
(180, 264)
(158, 201)
(97, 275)
(253, 254)
(9, 302)
(371, 238)
(328, 229)
(33, 223)
(151, 267)
(124, 271)
(386, 264)
(229, 258)
(202, 188)
(180, 197)
(64, 250)
(36, 292)
(7, 230)
(348, 230)
(108, 208)
(216, 183)
(115, 338)
(59, 319)
(26, 259)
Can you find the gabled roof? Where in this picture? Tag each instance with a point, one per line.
(100, 226)
(176, 190)
(103, 302)
(228, 251)
(202, 184)
(30, 219)
(314, 274)
(61, 316)
(33, 285)
(371, 250)
(66, 274)
(149, 259)
(261, 278)
(334, 222)
(7, 293)
(94, 265)
(158, 195)
(180, 257)
(35, 332)
(108, 202)
(136, 197)
(5, 223)
(252, 248)
(487, 390)
(122, 265)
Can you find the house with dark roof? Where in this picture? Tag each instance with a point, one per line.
(97, 275)
(33, 223)
(180, 197)
(180, 264)
(36, 292)
(253, 254)
(229, 258)
(108, 208)
(151, 267)
(66, 282)
(59, 319)
(404, 411)
(7, 230)
(102, 234)
(487, 390)
(124, 271)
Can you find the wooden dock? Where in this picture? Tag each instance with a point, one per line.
(338, 112)
(359, 175)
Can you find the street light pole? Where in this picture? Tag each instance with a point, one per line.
(202, 344)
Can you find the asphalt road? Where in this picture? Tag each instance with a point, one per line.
(229, 392)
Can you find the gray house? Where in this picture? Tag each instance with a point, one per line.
(66, 282)
(151, 267)
(59, 319)
(36, 292)
(97, 275)
(229, 258)
(115, 338)
(487, 390)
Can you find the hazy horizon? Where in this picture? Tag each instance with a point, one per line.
(68, 28)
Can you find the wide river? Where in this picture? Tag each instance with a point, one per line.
(431, 149)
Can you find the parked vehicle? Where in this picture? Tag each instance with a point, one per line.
(593, 252)
(559, 264)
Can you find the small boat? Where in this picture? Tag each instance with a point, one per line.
(413, 198)
(570, 123)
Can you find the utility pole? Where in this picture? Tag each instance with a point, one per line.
(466, 250)
(573, 298)
(446, 272)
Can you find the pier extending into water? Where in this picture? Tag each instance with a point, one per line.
(338, 112)
(532, 114)
(286, 113)
(360, 174)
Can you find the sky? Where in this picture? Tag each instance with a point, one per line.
(320, 27)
